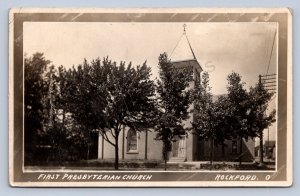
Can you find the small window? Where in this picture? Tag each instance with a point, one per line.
(132, 141)
(234, 147)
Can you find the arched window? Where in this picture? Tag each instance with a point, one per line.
(132, 141)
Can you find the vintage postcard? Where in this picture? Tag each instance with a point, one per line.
(176, 97)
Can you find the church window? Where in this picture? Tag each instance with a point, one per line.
(132, 141)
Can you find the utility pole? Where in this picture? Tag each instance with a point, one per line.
(268, 82)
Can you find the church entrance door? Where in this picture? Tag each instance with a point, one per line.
(179, 147)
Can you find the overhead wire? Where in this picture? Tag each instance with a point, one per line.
(271, 51)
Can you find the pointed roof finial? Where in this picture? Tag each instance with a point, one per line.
(184, 29)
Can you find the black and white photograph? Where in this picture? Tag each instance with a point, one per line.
(150, 97)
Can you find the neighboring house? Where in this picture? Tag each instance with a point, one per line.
(269, 150)
(142, 145)
(229, 152)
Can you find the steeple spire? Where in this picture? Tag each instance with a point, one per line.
(183, 52)
(183, 49)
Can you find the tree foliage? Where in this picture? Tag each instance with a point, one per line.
(174, 99)
(238, 110)
(205, 116)
(104, 96)
(210, 115)
(68, 108)
(259, 117)
(247, 110)
(35, 89)
(239, 115)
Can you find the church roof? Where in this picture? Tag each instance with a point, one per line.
(183, 52)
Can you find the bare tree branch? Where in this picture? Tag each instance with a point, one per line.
(104, 135)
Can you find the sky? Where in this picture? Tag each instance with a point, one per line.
(220, 48)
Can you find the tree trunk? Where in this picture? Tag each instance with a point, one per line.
(61, 142)
(116, 153)
(102, 148)
(165, 153)
(146, 144)
(261, 147)
(123, 143)
(241, 151)
(116, 157)
(165, 164)
(211, 153)
(223, 151)
(88, 152)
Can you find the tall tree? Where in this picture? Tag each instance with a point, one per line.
(222, 127)
(35, 90)
(107, 96)
(259, 118)
(174, 99)
(238, 110)
(61, 127)
(205, 114)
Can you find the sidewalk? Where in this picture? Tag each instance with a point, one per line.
(150, 165)
(220, 165)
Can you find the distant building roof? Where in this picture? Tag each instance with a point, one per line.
(270, 143)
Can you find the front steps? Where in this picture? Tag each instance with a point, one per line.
(176, 160)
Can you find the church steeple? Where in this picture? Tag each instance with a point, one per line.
(183, 53)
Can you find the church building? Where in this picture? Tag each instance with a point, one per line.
(143, 146)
